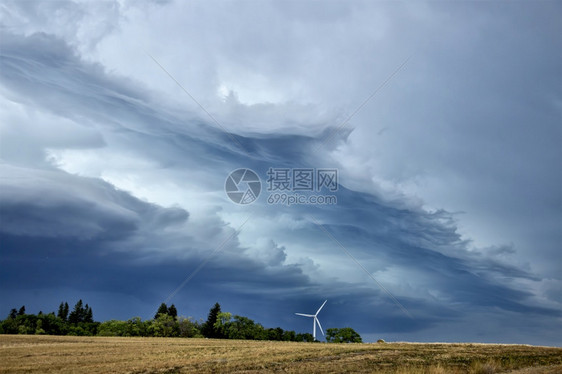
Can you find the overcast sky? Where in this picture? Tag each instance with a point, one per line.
(121, 120)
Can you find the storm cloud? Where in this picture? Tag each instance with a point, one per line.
(449, 195)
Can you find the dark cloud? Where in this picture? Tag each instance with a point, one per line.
(64, 233)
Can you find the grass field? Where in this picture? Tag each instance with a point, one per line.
(67, 354)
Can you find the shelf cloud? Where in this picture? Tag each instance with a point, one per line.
(120, 123)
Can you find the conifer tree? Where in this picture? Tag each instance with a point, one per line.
(77, 315)
(163, 309)
(88, 314)
(208, 329)
(65, 311)
(61, 313)
(172, 311)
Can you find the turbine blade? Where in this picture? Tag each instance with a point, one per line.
(319, 309)
(319, 325)
(304, 315)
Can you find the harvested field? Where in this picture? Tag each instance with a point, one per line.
(66, 354)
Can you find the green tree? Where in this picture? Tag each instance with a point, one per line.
(78, 314)
(162, 309)
(164, 326)
(239, 327)
(88, 314)
(10, 326)
(135, 327)
(306, 337)
(188, 328)
(344, 335)
(208, 329)
(172, 311)
(79, 330)
(113, 328)
(65, 311)
(289, 336)
(13, 313)
(221, 326)
(53, 325)
(60, 313)
(39, 327)
(275, 334)
(21, 312)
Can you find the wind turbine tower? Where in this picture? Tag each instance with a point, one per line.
(314, 320)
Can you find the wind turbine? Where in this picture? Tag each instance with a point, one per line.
(315, 320)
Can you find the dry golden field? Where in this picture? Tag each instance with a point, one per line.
(67, 354)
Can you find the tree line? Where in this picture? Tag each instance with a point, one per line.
(166, 323)
(79, 321)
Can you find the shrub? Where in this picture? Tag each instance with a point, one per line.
(343, 335)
